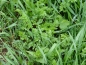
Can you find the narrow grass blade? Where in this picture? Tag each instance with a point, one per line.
(43, 54)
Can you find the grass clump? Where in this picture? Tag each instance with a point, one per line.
(42, 32)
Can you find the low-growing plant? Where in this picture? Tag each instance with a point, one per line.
(42, 32)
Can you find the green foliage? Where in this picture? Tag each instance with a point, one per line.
(42, 32)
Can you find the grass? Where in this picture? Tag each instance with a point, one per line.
(42, 32)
